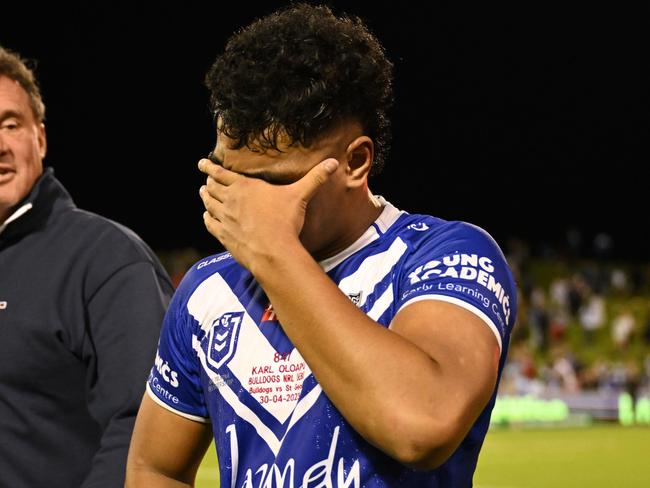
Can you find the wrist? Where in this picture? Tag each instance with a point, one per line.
(276, 259)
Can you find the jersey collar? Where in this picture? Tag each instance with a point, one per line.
(386, 219)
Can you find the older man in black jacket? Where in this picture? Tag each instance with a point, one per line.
(81, 302)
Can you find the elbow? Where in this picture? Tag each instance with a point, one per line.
(139, 472)
(427, 447)
(424, 456)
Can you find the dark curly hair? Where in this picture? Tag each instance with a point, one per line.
(301, 71)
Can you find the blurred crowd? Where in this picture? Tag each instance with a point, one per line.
(583, 325)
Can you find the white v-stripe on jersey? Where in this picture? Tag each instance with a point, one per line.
(224, 358)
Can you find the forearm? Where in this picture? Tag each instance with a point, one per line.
(145, 478)
(166, 449)
(365, 369)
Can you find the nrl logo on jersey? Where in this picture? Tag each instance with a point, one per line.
(222, 338)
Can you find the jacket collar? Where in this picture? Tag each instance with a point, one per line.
(47, 197)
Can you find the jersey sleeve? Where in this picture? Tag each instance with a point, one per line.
(462, 265)
(175, 381)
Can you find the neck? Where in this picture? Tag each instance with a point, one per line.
(352, 224)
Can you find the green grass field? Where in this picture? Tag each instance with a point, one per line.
(593, 457)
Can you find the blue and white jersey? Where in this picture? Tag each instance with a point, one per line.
(224, 358)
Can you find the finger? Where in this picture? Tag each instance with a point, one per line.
(215, 189)
(219, 173)
(212, 224)
(214, 207)
(316, 177)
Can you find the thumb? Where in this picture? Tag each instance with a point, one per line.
(316, 176)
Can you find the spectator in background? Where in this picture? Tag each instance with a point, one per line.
(81, 303)
(559, 293)
(623, 326)
(619, 281)
(645, 375)
(646, 331)
(577, 291)
(564, 370)
(558, 326)
(538, 319)
(520, 375)
(603, 245)
(559, 309)
(592, 317)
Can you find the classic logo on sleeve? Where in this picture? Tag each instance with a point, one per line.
(208, 262)
(470, 267)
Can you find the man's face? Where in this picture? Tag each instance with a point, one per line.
(324, 214)
(22, 146)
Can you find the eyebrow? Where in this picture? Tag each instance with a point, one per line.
(8, 114)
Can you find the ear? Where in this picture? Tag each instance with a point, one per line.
(42, 140)
(360, 154)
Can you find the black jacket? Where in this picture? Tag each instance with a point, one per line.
(81, 303)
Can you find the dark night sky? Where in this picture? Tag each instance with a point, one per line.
(526, 120)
